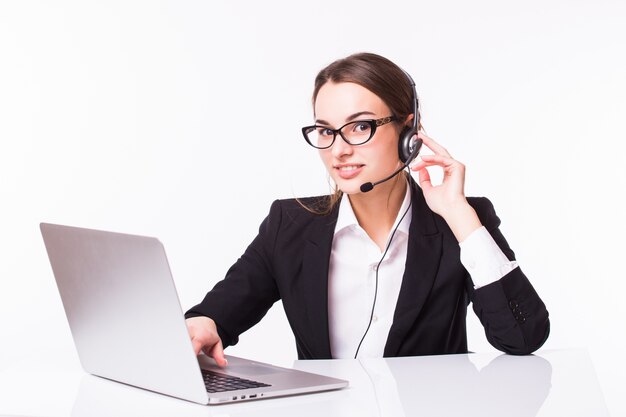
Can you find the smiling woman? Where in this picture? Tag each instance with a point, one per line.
(385, 266)
(347, 102)
(383, 83)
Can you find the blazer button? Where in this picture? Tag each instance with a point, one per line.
(513, 305)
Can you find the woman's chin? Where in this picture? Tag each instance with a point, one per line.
(349, 187)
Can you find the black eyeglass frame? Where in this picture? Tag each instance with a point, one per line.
(374, 123)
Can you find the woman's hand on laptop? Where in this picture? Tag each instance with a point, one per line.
(204, 337)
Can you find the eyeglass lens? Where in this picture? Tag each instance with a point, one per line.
(354, 133)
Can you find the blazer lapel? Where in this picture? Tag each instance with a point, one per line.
(315, 263)
(422, 264)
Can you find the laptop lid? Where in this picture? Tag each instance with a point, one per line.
(128, 326)
(123, 309)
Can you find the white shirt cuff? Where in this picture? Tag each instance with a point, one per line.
(483, 258)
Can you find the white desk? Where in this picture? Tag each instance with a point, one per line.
(552, 383)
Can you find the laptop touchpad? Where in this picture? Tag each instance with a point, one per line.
(252, 369)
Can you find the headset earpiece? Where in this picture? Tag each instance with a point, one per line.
(408, 145)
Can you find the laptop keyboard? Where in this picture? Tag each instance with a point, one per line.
(215, 382)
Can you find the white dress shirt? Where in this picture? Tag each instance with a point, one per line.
(352, 278)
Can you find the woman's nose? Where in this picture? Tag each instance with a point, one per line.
(341, 147)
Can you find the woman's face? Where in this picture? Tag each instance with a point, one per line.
(350, 166)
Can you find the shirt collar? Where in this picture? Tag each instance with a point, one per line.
(347, 219)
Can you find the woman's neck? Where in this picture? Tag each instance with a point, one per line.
(377, 210)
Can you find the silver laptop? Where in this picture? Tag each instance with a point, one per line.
(128, 326)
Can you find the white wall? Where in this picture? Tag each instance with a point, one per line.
(181, 120)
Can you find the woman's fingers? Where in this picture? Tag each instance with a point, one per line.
(432, 160)
(197, 346)
(424, 180)
(453, 173)
(432, 145)
(217, 353)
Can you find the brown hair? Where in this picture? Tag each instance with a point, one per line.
(379, 75)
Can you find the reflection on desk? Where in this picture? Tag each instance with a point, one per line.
(551, 383)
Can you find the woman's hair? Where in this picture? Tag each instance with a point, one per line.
(380, 76)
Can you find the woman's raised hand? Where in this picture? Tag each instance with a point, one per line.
(448, 198)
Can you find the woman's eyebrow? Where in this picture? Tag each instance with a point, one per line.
(351, 117)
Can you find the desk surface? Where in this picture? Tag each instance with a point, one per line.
(551, 383)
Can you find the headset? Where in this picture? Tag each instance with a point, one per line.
(409, 143)
(408, 147)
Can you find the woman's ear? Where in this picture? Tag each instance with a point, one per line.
(408, 122)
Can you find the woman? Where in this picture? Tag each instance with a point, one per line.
(385, 272)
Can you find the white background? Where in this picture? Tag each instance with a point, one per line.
(181, 120)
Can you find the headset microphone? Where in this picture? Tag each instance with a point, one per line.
(369, 186)
(408, 145)
(416, 145)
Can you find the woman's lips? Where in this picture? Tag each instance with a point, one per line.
(349, 171)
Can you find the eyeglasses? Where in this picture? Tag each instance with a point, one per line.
(353, 133)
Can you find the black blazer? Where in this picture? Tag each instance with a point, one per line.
(289, 260)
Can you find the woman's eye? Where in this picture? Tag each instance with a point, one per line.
(324, 132)
(361, 127)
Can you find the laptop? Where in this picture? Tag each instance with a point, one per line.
(128, 326)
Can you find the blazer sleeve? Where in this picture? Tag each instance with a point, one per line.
(515, 319)
(249, 289)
